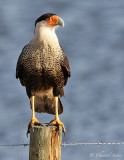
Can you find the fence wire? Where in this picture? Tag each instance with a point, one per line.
(66, 144)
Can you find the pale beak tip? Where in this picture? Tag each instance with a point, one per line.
(61, 22)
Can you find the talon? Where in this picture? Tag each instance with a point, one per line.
(32, 122)
(58, 122)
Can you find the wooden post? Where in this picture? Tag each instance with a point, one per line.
(45, 142)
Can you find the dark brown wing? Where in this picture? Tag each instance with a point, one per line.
(18, 68)
(20, 65)
(65, 68)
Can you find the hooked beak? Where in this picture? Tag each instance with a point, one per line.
(60, 22)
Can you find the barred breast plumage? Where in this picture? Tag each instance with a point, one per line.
(41, 67)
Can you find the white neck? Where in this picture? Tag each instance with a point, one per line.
(45, 33)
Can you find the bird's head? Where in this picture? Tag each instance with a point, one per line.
(49, 20)
(45, 27)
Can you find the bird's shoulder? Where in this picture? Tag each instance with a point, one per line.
(30, 52)
(31, 48)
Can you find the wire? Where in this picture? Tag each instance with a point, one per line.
(97, 143)
(66, 144)
(14, 145)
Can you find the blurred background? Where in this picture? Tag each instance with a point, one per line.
(93, 40)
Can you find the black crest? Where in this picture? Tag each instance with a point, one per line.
(44, 17)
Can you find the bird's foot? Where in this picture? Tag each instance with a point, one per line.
(32, 122)
(57, 121)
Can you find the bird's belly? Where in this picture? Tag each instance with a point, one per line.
(44, 101)
(44, 92)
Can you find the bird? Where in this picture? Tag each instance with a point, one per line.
(43, 68)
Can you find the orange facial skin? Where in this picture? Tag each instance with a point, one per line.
(53, 21)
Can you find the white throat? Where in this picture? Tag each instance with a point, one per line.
(45, 33)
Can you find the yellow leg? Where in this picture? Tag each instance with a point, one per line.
(57, 120)
(33, 119)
